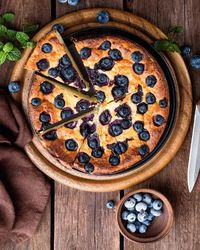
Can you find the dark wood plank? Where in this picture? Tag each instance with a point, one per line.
(81, 220)
(28, 11)
(173, 180)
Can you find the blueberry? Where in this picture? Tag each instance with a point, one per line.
(51, 136)
(47, 48)
(142, 216)
(142, 229)
(82, 105)
(115, 129)
(123, 110)
(62, 1)
(186, 50)
(72, 2)
(100, 96)
(64, 61)
(158, 120)
(137, 224)
(138, 68)
(46, 87)
(150, 217)
(59, 27)
(71, 145)
(151, 81)
(142, 108)
(155, 213)
(105, 117)
(138, 197)
(118, 92)
(125, 215)
(53, 72)
(131, 217)
(136, 98)
(14, 87)
(138, 126)
(83, 157)
(105, 45)
(140, 91)
(45, 117)
(68, 74)
(146, 223)
(110, 204)
(163, 103)
(101, 80)
(143, 150)
(89, 167)
(85, 53)
(150, 98)
(93, 141)
(86, 129)
(36, 101)
(66, 113)
(195, 61)
(59, 101)
(136, 56)
(147, 198)
(103, 17)
(131, 227)
(121, 80)
(115, 54)
(144, 135)
(42, 64)
(130, 203)
(126, 123)
(157, 204)
(97, 152)
(106, 63)
(141, 206)
(114, 160)
(71, 125)
(120, 148)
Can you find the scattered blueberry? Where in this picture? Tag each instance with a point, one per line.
(105, 45)
(155, 213)
(120, 148)
(97, 152)
(142, 216)
(195, 61)
(64, 62)
(110, 204)
(100, 96)
(66, 113)
(59, 101)
(131, 217)
(42, 64)
(68, 74)
(85, 53)
(51, 136)
(59, 27)
(89, 167)
(158, 120)
(125, 215)
(72, 2)
(101, 80)
(142, 229)
(144, 135)
(163, 103)
(157, 204)
(82, 105)
(136, 56)
(46, 87)
(150, 98)
(71, 145)
(103, 17)
(137, 197)
(131, 227)
(47, 48)
(93, 141)
(138, 126)
(186, 50)
(71, 125)
(106, 63)
(138, 68)
(130, 203)
(53, 72)
(151, 81)
(45, 117)
(147, 198)
(14, 87)
(121, 81)
(87, 129)
(142, 108)
(115, 129)
(118, 92)
(123, 110)
(136, 98)
(114, 160)
(36, 101)
(141, 206)
(143, 150)
(126, 123)
(115, 54)
(83, 157)
(105, 117)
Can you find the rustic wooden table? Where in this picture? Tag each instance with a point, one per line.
(78, 220)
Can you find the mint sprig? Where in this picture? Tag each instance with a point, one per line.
(170, 43)
(13, 41)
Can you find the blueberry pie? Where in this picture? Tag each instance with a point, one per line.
(130, 101)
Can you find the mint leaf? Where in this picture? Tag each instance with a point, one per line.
(14, 55)
(1, 20)
(27, 28)
(11, 34)
(30, 45)
(1, 45)
(175, 29)
(3, 30)
(3, 56)
(8, 47)
(22, 37)
(8, 17)
(161, 44)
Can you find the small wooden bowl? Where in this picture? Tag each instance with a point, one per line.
(160, 226)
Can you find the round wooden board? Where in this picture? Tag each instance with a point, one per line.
(149, 32)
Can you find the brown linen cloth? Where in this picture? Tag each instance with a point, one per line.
(24, 190)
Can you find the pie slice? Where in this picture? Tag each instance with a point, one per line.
(50, 101)
(52, 58)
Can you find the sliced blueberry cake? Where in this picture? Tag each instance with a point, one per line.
(52, 58)
(133, 103)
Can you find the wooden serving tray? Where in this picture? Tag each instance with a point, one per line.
(148, 32)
